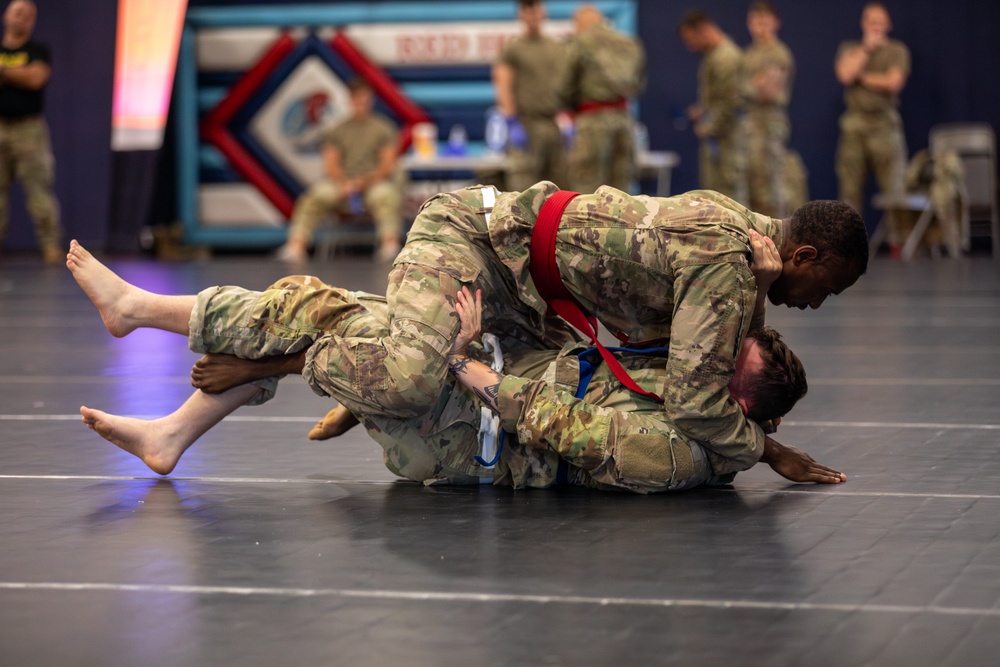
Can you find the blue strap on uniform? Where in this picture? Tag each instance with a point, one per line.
(489, 464)
(590, 359)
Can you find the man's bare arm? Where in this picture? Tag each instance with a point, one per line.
(503, 86)
(794, 464)
(891, 81)
(474, 375)
(32, 76)
(850, 64)
(477, 377)
(332, 165)
(386, 165)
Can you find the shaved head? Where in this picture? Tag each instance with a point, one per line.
(587, 16)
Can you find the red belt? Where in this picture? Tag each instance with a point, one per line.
(545, 274)
(596, 105)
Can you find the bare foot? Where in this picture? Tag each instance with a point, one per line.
(157, 445)
(216, 373)
(113, 297)
(336, 422)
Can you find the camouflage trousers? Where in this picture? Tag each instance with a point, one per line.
(25, 154)
(286, 318)
(767, 129)
(544, 158)
(874, 139)
(295, 312)
(324, 199)
(603, 151)
(436, 446)
(796, 180)
(723, 167)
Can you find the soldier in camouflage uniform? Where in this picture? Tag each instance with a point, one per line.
(604, 69)
(674, 269)
(606, 438)
(525, 81)
(359, 156)
(717, 116)
(25, 152)
(770, 69)
(873, 73)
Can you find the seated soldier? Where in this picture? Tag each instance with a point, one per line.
(359, 158)
(607, 438)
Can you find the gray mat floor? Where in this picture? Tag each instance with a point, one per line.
(265, 548)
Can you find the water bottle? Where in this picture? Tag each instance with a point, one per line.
(517, 136)
(458, 140)
(640, 135)
(566, 128)
(356, 203)
(496, 131)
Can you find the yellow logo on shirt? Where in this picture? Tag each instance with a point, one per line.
(14, 59)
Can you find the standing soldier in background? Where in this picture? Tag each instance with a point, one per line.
(604, 69)
(25, 152)
(873, 73)
(770, 68)
(359, 158)
(717, 115)
(525, 82)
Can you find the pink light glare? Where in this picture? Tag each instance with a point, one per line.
(149, 33)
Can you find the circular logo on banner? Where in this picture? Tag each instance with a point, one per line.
(305, 118)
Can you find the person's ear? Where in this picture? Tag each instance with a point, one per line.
(803, 254)
(743, 405)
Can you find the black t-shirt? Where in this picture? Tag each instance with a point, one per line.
(18, 102)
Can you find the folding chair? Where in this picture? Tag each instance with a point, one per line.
(976, 145)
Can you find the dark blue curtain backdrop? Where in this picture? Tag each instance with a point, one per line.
(956, 58)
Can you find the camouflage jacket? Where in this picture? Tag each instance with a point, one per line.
(602, 65)
(761, 59)
(674, 269)
(537, 64)
(610, 439)
(607, 439)
(891, 55)
(721, 88)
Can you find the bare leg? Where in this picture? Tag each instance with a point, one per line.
(161, 442)
(216, 373)
(123, 306)
(336, 422)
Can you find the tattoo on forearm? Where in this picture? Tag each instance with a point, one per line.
(458, 364)
(488, 395)
(493, 390)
